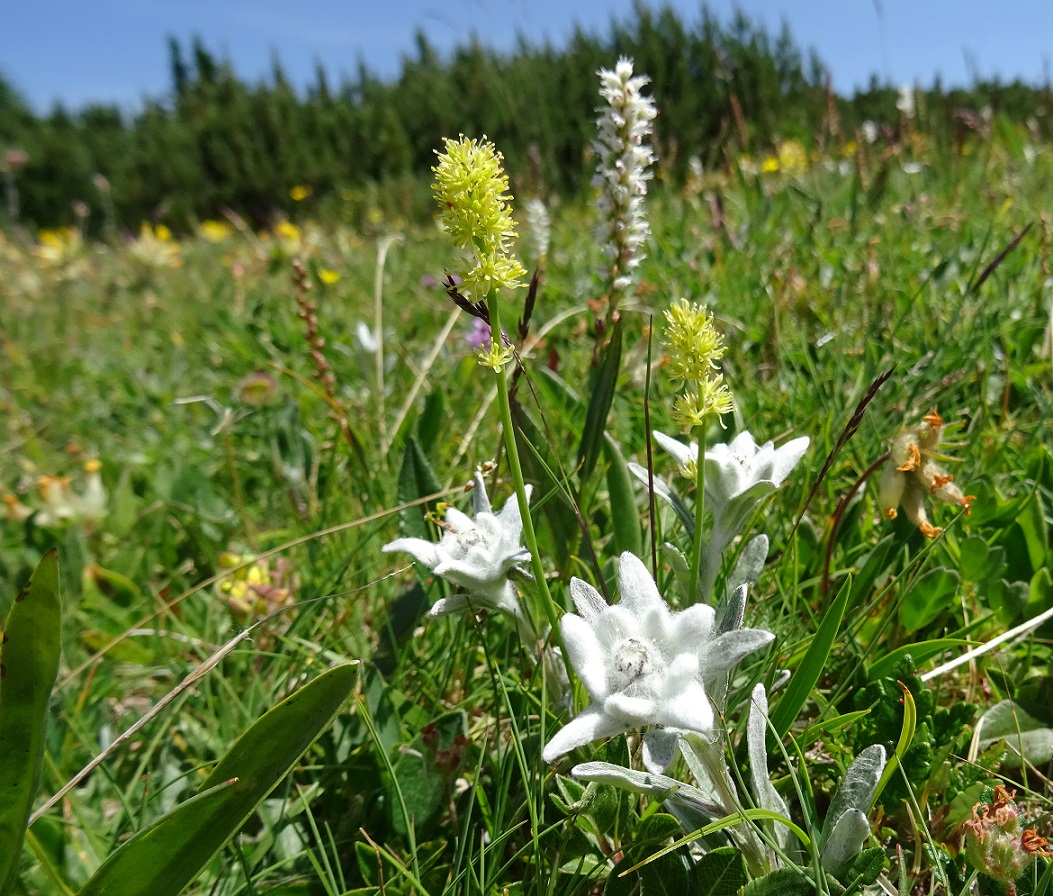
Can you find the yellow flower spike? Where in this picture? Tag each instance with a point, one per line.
(475, 210)
(692, 344)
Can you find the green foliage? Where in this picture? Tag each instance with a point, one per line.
(219, 143)
(29, 662)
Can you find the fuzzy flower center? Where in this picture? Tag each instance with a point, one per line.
(636, 663)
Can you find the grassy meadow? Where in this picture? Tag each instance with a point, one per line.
(261, 434)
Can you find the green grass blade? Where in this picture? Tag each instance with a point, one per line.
(168, 855)
(29, 661)
(811, 667)
(600, 404)
(625, 520)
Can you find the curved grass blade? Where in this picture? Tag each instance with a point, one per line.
(625, 520)
(29, 662)
(807, 674)
(600, 405)
(169, 854)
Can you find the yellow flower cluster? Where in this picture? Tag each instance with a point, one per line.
(474, 208)
(692, 348)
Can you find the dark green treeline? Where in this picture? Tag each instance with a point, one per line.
(218, 143)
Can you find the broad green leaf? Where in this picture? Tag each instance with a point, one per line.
(929, 596)
(796, 693)
(600, 404)
(420, 774)
(781, 882)
(1032, 523)
(1026, 728)
(165, 857)
(416, 480)
(721, 872)
(974, 554)
(29, 661)
(625, 520)
(429, 424)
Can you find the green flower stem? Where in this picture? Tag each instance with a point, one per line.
(700, 506)
(529, 536)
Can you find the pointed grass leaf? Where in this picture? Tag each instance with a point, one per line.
(918, 652)
(600, 404)
(807, 673)
(625, 520)
(162, 859)
(30, 647)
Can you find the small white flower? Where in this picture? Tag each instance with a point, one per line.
(366, 339)
(474, 554)
(738, 476)
(739, 469)
(905, 101)
(643, 664)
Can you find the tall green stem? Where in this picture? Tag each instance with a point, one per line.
(516, 469)
(700, 506)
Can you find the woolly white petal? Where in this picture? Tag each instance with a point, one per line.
(585, 654)
(418, 548)
(592, 724)
(588, 600)
(638, 588)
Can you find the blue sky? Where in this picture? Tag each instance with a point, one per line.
(80, 51)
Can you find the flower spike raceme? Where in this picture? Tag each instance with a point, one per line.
(471, 188)
(476, 555)
(623, 154)
(692, 348)
(913, 472)
(643, 665)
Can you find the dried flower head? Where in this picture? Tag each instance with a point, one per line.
(912, 473)
(994, 842)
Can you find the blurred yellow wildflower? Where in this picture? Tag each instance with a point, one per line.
(256, 589)
(214, 231)
(328, 277)
(155, 249)
(299, 193)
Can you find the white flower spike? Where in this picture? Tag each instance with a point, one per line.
(475, 554)
(642, 663)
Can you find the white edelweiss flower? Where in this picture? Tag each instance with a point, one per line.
(736, 469)
(474, 554)
(643, 664)
(738, 476)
